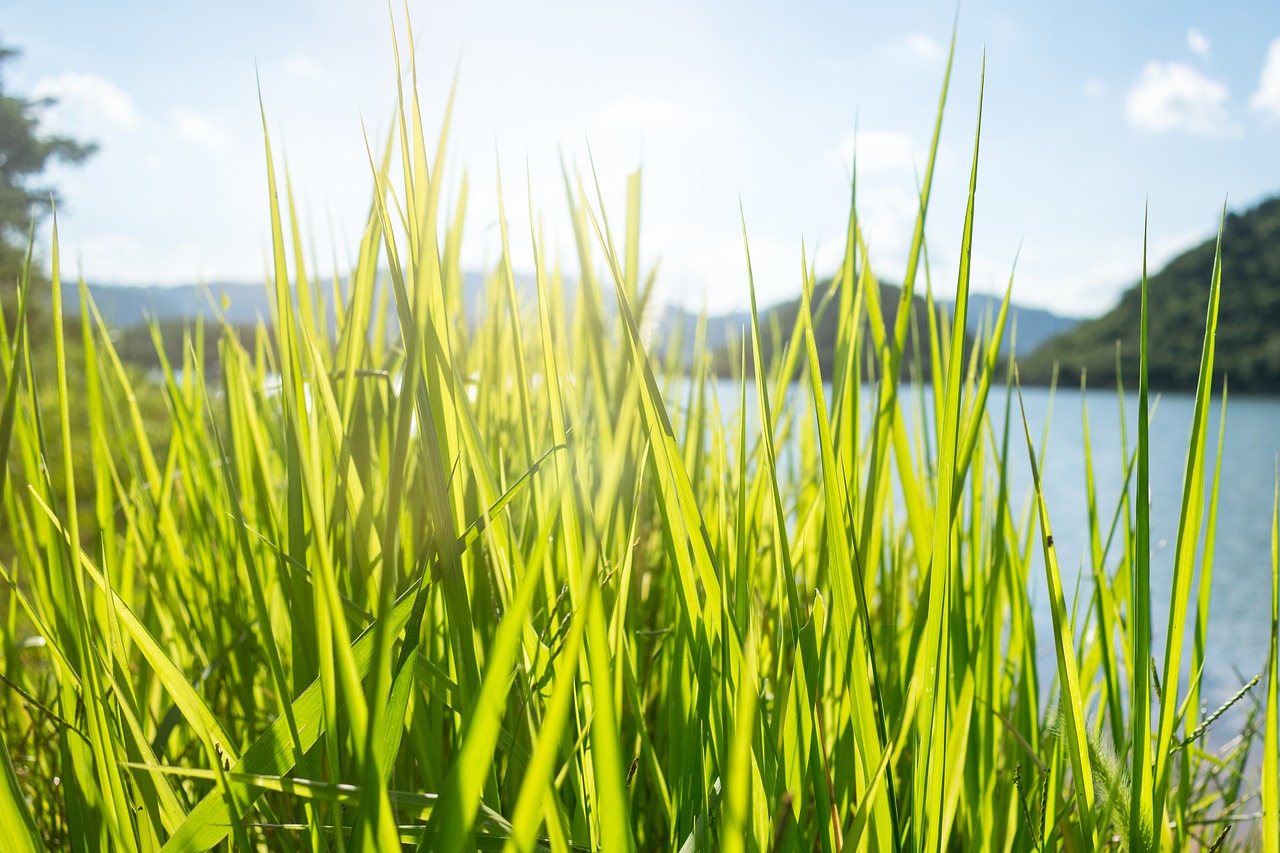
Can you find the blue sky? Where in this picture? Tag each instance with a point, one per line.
(1091, 109)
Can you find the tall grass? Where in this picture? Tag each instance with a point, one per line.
(479, 585)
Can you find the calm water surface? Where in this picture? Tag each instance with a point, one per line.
(1240, 604)
(1239, 619)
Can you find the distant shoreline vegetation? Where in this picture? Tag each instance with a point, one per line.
(1248, 336)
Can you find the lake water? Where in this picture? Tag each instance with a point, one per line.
(1240, 604)
(1239, 619)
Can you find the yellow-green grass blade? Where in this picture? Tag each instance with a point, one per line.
(935, 665)
(770, 468)
(1190, 523)
(114, 808)
(672, 471)
(409, 804)
(1104, 600)
(12, 364)
(271, 753)
(19, 827)
(601, 699)
(538, 776)
(1072, 699)
(193, 706)
(796, 715)
(978, 404)
(1142, 827)
(1271, 738)
(451, 824)
(853, 654)
(891, 348)
(740, 769)
(517, 321)
(1193, 725)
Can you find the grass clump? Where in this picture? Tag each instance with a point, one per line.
(480, 586)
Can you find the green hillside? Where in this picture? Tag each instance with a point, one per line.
(1248, 339)
(778, 322)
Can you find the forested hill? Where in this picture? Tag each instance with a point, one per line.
(1248, 338)
(1034, 325)
(777, 322)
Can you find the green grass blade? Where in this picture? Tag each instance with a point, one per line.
(1072, 701)
(1271, 738)
(1141, 820)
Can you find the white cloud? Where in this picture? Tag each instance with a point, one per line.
(1112, 268)
(887, 217)
(881, 151)
(922, 46)
(305, 67)
(641, 113)
(85, 101)
(197, 127)
(1267, 98)
(123, 258)
(1198, 42)
(1094, 88)
(1172, 96)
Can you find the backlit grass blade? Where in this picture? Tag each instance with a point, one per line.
(529, 804)
(796, 716)
(739, 771)
(851, 646)
(451, 824)
(16, 822)
(1072, 699)
(271, 754)
(115, 810)
(1271, 738)
(12, 374)
(1141, 832)
(1190, 524)
(600, 701)
(935, 664)
(19, 828)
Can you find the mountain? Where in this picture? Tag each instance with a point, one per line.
(1034, 325)
(1248, 336)
(777, 322)
(124, 306)
(128, 308)
(674, 325)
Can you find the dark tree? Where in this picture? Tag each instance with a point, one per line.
(24, 155)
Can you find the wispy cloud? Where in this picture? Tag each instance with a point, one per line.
(85, 101)
(304, 67)
(195, 126)
(888, 215)
(922, 46)
(1094, 88)
(1267, 98)
(1172, 96)
(645, 113)
(1198, 42)
(881, 151)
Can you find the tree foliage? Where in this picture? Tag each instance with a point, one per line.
(25, 154)
(1248, 335)
(778, 322)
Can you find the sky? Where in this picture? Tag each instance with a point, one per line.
(1093, 113)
